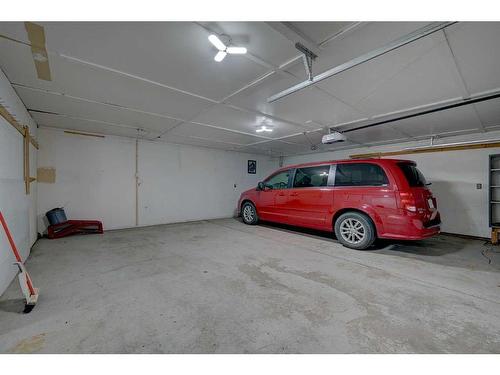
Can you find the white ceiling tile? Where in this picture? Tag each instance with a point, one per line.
(452, 120)
(308, 139)
(255, 96)
(310, 104)
(320, 31)
(15, 30)
(476, 46)
(303, 107)
(193, 141)
(427, 80)
(226, 117)
(43, 101)
(96, 84)
(489, 112)
(375, 134)
(174, 53)
(367, 38)
(213, 134)
(282, 148)
(360, 81)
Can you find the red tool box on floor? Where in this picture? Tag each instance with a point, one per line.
(70, 227)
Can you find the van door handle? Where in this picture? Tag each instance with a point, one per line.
(294, 194)
(281, 194)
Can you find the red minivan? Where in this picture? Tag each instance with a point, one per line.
(360, 200)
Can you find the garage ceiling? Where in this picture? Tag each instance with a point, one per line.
(159, 81)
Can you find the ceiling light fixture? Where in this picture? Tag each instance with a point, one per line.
(223, 49)
(264, 128)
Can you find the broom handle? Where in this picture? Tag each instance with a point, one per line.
(15, 251)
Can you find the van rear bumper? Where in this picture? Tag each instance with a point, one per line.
(412, 228)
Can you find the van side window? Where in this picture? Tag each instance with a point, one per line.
(278, 181)
(311, 176)
(360, 174)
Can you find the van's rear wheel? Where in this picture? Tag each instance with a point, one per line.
(355, 230)
(249, 213)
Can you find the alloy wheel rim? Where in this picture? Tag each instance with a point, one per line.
(352, 231)
(248, 213)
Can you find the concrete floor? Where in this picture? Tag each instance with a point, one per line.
(220, 286)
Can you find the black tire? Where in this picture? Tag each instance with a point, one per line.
(249, 213)
(355, 230)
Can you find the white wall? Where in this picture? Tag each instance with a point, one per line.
(18, 208)
(180, 183)
(454, 175)
(95, 179)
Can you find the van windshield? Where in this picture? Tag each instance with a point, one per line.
(414, 177)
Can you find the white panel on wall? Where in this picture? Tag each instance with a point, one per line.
(183, 183)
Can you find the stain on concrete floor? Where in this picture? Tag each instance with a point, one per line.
(29, 345)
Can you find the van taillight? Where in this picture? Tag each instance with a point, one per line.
(407, 201)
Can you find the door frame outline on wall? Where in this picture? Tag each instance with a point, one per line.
(137, 182)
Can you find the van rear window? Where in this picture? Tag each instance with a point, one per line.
(414, 177)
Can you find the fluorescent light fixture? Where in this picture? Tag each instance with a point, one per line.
(264, 128)
(214, 39)
(220, 56)
(223, 50)
(237, 50)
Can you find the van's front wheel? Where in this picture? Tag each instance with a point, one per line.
(355, 230)
(249, 214)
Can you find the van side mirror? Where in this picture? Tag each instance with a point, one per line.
(260, 186)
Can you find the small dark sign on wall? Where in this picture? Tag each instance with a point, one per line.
(252, 166)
